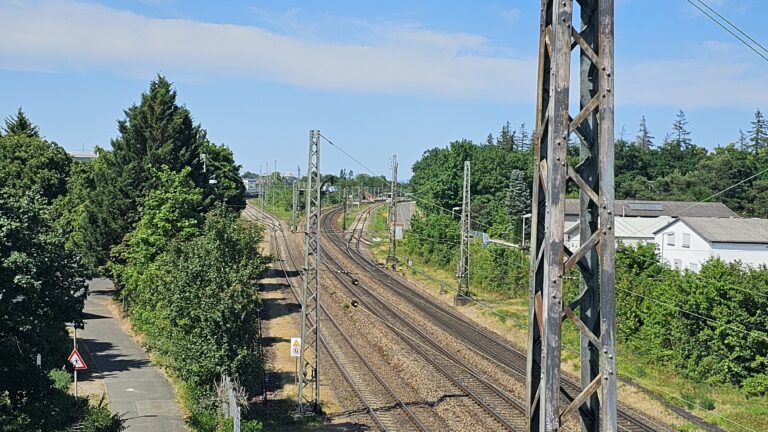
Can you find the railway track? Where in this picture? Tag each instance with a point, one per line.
(386, 409)
(499, 405)
(478, 339)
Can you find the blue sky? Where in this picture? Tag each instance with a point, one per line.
(378, 78)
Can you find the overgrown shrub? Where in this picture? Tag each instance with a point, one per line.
(756, 385)
(197, 304)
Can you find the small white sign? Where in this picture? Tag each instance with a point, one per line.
(295, 347)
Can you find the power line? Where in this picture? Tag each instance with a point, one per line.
(724, 27)
(733, 25)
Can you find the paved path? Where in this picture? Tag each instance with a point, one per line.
(135, 388)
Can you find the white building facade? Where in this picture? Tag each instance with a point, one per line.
(686, 243)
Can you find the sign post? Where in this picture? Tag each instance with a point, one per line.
(76, 359)
(296, 352)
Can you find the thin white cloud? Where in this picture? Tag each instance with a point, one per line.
(64, 35)
(712, 80)
(511, 15)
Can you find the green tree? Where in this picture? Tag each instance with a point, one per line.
(21, 125)
(155, 133)
(27, 162)
(198, 305)
(523, 137)
(758, 135)
(41, 289)
(170, 212)
(644, 138)
(518, 202)
(506, 138)
(680, 133)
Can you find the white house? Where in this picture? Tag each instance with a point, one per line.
(652, 209)
(628, 230)
(687, 242)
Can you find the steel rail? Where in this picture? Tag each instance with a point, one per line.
(363, 394)
(481, 339)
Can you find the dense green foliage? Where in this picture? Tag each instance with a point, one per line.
(196, 300)
(156, 134)
(680, 170)
(279, 196)
(183, 262)
(41, 289)
(27, 162)
(711, 325)
(155, 213)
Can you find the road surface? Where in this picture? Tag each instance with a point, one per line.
(135, 388)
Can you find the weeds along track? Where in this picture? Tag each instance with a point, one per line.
(387, 411)
(476, 338)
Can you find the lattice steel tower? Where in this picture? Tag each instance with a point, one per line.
(551, 260)
(309, 361)
(462, 271)
(295, 205)
(392, 219)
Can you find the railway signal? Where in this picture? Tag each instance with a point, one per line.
(593, 311)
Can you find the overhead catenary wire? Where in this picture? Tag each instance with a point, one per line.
(380, 177)
(729, 30)
(733, 25)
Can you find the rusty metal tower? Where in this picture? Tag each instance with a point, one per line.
(392, 219)
(309, 361)
(593, 310)
(462, 271)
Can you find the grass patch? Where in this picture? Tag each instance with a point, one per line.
(352, 212)
(276, 210)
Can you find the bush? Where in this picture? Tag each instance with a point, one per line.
(698, 401)
(61, 379)
(198, 306)
(755, 385)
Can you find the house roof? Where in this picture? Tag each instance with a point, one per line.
(726, 230)
(631, 227)
(640, 208)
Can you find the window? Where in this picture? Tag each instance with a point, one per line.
(670, 239)
(678, 264)
(694, 267)
(686, 240)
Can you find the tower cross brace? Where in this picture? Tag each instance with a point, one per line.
(462, 271)
(309, 358)
(592, 311)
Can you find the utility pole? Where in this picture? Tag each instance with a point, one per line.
(295, 205)
(344, 216)
(268, 190)
(309, 361)
(551, 260)
(392, 252)
(273, 197)
(462, 272)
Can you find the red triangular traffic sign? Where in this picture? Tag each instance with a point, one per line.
(77, 360)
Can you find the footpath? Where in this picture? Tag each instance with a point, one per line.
(135, 388)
